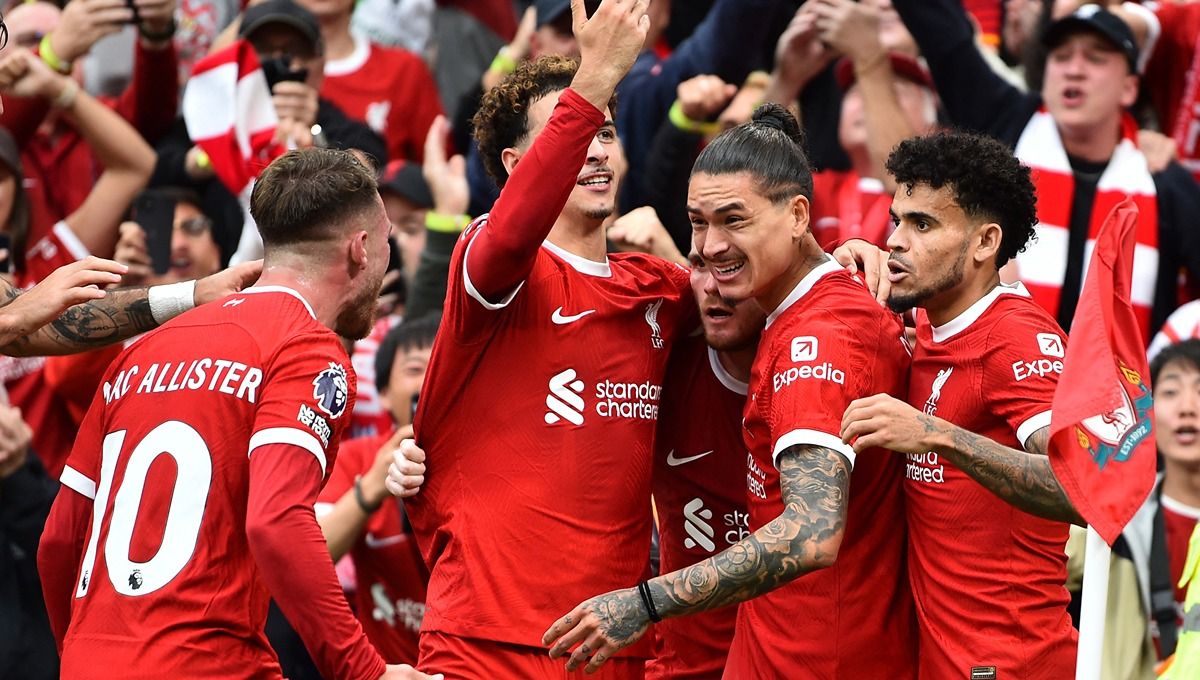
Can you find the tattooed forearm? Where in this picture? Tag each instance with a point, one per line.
(815, 483)
(119, 315)
(1023, 479)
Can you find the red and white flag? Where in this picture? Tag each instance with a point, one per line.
(1102, 429)
(228, 112)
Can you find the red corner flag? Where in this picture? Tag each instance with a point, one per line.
(1101, 430)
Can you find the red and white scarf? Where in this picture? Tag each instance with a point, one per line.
(1043, 266)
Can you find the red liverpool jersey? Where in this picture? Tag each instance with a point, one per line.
(390, 599)
(700, 496)
(389, 89)
(537, 416)
(828, 344)
(167, 586)
(987, 577)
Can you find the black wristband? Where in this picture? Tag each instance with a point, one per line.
(362, 501)
(644, 590)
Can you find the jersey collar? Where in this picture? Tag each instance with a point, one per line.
(580, 264)
(731, 383)
(352, 62)
(810, 279)
(963, 321)
(281, 289)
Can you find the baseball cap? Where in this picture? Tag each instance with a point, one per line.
(405, 179)
(550, 10)
(1099, 21)
(903, 66)
(10, 155)
(280, 12)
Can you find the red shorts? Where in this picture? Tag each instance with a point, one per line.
(461, 658)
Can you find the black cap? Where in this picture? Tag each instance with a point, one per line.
(10, 155)
(281, 12)
(1097, 20)
(406, 180)
(550, 10)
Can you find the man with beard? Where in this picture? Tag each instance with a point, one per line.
(700, 466)
(987, 531)
(193, 478)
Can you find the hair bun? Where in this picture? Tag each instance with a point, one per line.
(774, 116)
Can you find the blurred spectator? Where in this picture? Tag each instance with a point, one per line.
(287, 36)
(358, 516)
(1081, 141)
(407, 200)
(195, 252)
(475, 29)
(27, 648)
(387, 88)
(406, 24)
(60, 165)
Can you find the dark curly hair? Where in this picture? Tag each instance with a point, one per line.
(988, 182)
(503, 117)
(770, 147)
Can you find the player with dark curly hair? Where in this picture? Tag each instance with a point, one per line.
(987, 519)
(539, 406)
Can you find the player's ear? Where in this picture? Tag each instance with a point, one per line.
(358, 249)
(509, 158)
(987, 242)
(800, 214)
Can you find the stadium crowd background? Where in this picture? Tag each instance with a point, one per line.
(94, 143)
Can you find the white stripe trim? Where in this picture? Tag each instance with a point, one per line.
(77, 481)
(288, 435)
(815, 438)
(281, 289)
(70, 240)
(474, 292)
(803, 286)
(1180, 508)
(579, 263)
(356, 59)
(1032, 425)
(723, 376)
(969, 316)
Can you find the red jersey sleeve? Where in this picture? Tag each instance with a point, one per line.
(815, 373)
(308, 397)
(1021, 370)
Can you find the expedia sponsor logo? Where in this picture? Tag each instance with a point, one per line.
(1039, 368)
(825, 371)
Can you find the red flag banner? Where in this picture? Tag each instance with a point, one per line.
(1101, 431)
(228, 112)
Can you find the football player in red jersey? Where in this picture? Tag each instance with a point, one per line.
(187, 501)
(987, 530)
(826, 343)
(539, 408)
(700, 466)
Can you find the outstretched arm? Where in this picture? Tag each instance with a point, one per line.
(42, 320)
(814, 483)
(1023, 479)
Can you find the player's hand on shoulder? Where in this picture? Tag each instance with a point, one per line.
(600, 627)
(65, 287)
(860, 255)
(883, 421)
(406, 473)
(405, 672)
(232, 280)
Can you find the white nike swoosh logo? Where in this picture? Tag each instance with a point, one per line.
(558, 318)
(673, 461)
(375, 542)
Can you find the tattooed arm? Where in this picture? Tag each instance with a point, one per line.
(67, 313)
(814, 484)
(1023, 479)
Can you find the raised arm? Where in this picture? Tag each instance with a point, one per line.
(1022, 478)
(814, 484)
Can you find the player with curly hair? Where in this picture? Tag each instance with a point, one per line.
(987, 519)
(539, 406)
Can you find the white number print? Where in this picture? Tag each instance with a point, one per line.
(188, 499)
